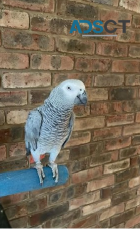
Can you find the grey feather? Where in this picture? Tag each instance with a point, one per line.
(71, 125)
(32, 130)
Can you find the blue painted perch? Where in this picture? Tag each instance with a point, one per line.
(27, 180)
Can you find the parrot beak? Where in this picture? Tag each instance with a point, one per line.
(82, 98)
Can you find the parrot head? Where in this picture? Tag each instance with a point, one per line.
(70, 92)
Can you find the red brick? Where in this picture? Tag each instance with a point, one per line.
(89, 123)
(116, 166)
(120, 218)
(128, 152)
(133, 6)
(17, 149)
(111, 49)
(11, 134)
(131, 129)
(13, 98)
(2, 153)
(120, 119)
(17, 116)
(26, 79)
(49, 62)
(107, 133)
(88, 209)
(38, 96)
(100, 183)
(112, 211)
(100, 65)
(82, 111)
(108, 80)
(53, 25)
(129, 36)
(136, 140)
(99, 108)
(13, 199)
(132, 80)
(20, 222)
(87, 78)
(132, 222)
(134, 51)
(136, 21)
(138, 117)
(14, 19)
(2, 117)
(86, 222)
(46, 6)
(86, 175)
(125, 66)
(118, 143)
(134, 161)
(123, 93)
(24, 40)
(75, 46)
(14, 60)
(78, 138)
(97, 94)
(84, 200)
(115, 15)
(134, 182)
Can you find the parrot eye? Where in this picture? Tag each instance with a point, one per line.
(68, 88)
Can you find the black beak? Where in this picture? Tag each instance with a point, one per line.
(83, 98)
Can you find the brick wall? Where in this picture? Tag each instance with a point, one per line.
(36, 53)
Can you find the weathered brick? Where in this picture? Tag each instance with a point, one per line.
(13, 199)
(95, 65)
(79, 10)
(120, 187)
(123, 197)
(89, 123)
(131, 129)
(128, 152)
(2, 152)
(120, 119)
(56, 197)
(13, 164)
(132, 222)
(132, 80)
(11, 134)
(134, 182)
(13, 98)
(85, 77)
(115, 15)
(125, 66)
(101, 183)
(100, 159)
(2, 117)
(118, 143)
(78, 138)
(14, 60)
(97, 94)
(16, 211)
(86, 222)
(106, 133)
(127, 174)
(99, 108)
(38, 96)
(133, 6)
(106, 192)
(112, 211)
(63, 156)
(86, 210)
(17, 116)
(134, 51)
(14, 19)
(47, 214)
(111, 49)
(136, 140)
(116, 166)
(136, 21)
(86, 199)
(134, 161)
(25, 80)
(51, 25)
(24, 40)
(86, 175)
(123, 93)
(82, 111)
(108, 2)
(17, 149)
(75, 46)
(115, 220)
(54, 62)
(46, 6)
(129, 36)
(108, 80)
(20, 222)
(138, 117)
(37, 205)
(78, 152)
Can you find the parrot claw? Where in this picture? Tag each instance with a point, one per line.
(54, 168)
(40, 172)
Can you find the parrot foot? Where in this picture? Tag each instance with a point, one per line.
(40, 172)
(54, 168)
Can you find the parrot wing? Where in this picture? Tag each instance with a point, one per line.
(32, 129)
(71, 125)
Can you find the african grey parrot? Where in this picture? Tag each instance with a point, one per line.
(49, 127)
